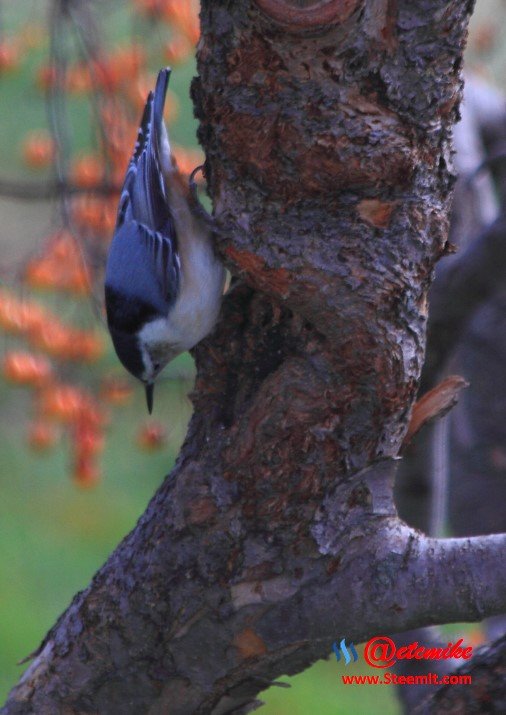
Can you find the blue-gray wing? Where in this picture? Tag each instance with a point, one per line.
(142, 270)
(165, 263)
(143, 195)
(143, 257)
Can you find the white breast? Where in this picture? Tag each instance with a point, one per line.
(202, 278)
(196, 309)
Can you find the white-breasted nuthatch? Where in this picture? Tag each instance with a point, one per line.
(163, 282)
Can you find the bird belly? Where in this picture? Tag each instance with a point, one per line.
(196, 309)
(198, 304)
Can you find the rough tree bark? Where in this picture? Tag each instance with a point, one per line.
(465, 334)
(327, 132)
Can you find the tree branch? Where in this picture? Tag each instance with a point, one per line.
(461, 287)
(277, 615)
(40, 191)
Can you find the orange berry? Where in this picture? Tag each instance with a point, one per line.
(86, 212)
(9, 56)
(87, 347)
(61, 266)
(46, 77)
(9, 312)
(151, 436)
(20, 316)
(79, 281)
(39, 275)
(86, 473)
(87, 171)
(23, 368)
(116, 391)
(67, 343)
(185, 16)
(42, 436)
(79, 80)
(104, 75)
(38, 149)
(64, 403)
(31, 316)
(177, 50)
(128, 61)
(94, 415)
(95, 214)
(88, 440)
(52, 337)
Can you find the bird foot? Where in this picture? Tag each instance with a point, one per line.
(197, 206)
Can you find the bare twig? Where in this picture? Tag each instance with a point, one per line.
(51, 189)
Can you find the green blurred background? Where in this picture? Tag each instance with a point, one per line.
(54, 536)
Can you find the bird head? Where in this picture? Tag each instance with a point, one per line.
(139, 357)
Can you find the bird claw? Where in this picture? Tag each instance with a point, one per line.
(197, 206)
(193, 183)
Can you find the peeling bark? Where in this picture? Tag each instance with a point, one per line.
(434, 404)
(328, 165)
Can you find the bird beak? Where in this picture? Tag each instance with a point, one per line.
(149, 396)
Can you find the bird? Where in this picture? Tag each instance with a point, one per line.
(163, 280)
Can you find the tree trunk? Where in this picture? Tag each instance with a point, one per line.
(327, 132)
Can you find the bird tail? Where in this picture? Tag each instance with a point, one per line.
(144, 129)
(160, 137)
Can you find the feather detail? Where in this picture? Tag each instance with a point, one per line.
(145, 221)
